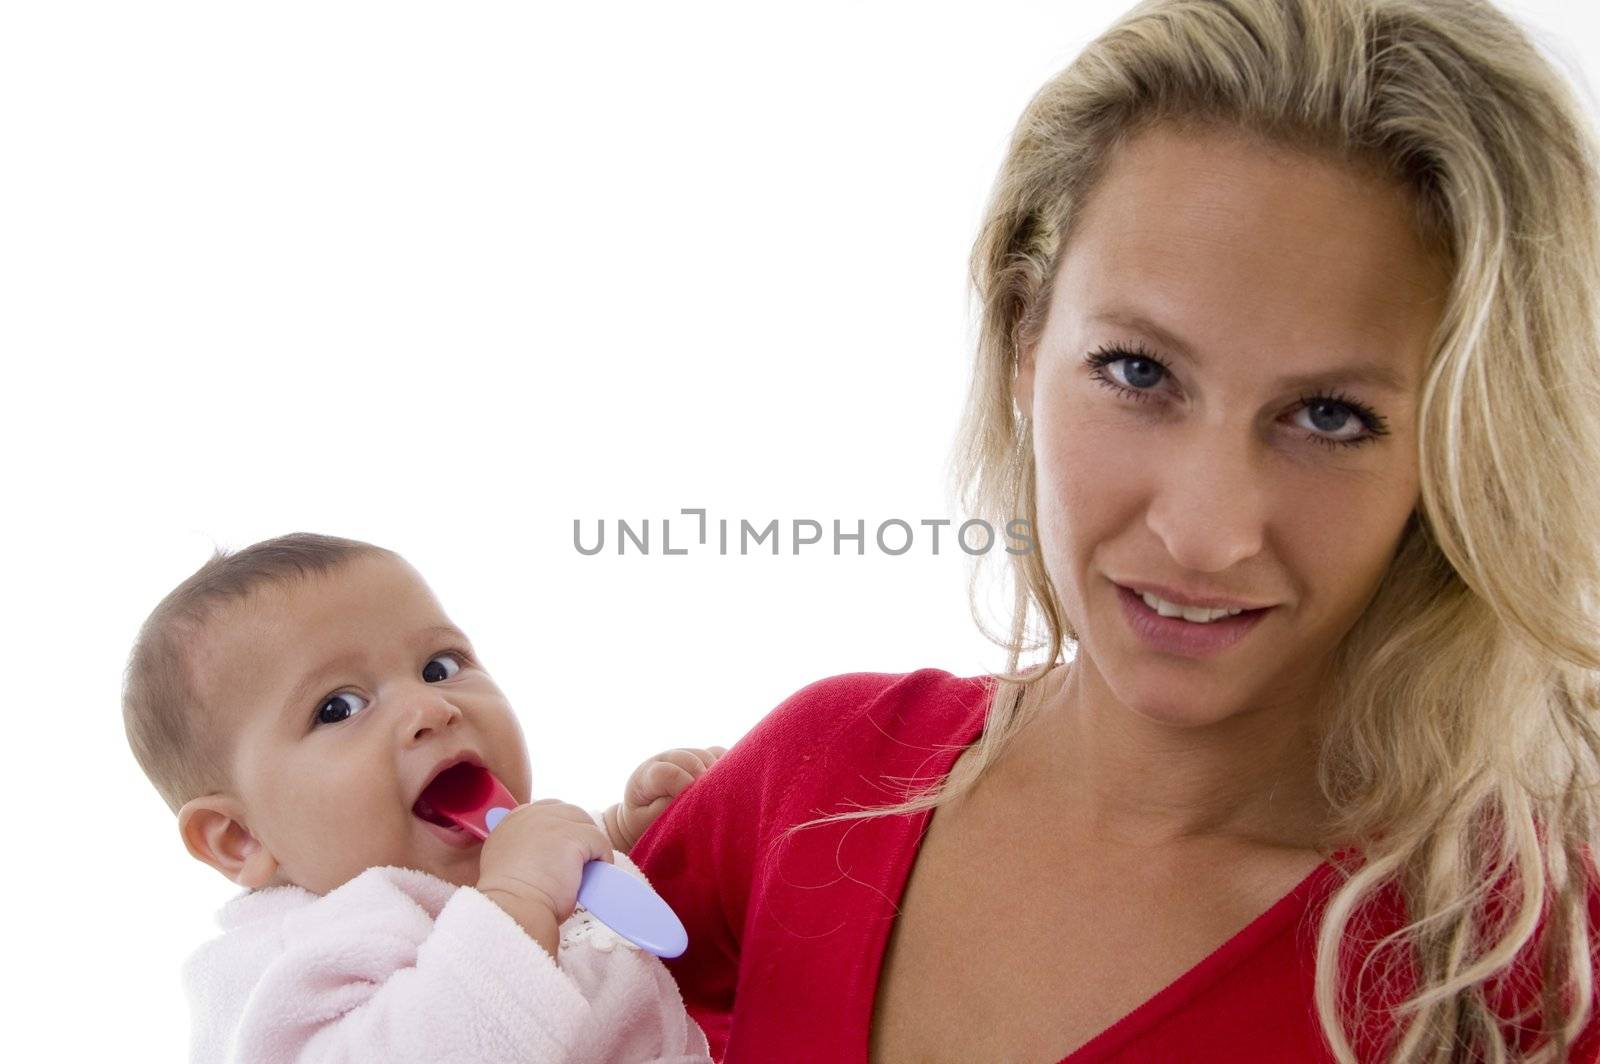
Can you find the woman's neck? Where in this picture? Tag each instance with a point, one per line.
(1107, 776)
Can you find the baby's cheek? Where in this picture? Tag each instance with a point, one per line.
(351, 844)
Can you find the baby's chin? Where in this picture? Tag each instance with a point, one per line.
(453, 859)
(460, 874)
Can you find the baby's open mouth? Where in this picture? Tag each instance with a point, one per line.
(461, 786)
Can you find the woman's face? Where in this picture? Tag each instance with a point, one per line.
(1212, 473)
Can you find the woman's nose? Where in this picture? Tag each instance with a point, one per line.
(429, 712)
(1210, 508)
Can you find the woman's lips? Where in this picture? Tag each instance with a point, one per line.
(1174, 635)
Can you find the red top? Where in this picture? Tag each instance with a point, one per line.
(796, 928)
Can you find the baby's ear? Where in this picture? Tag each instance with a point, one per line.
(214, 832)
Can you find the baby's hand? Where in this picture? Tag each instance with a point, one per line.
(651, 787)
(532, 863)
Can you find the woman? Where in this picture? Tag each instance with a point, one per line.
(1287, 308)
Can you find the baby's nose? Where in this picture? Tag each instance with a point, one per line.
(430, 713)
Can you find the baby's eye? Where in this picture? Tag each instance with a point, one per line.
(449, 655)
(337, 708)
(341, 710)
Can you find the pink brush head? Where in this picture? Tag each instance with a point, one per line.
(463, 795)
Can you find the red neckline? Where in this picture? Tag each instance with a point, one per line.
(1147, 1013)
(1227, 956)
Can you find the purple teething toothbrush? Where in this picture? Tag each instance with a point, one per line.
(475, 801)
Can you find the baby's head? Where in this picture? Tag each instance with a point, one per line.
(291, 700)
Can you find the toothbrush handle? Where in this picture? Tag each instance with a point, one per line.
(626, 905)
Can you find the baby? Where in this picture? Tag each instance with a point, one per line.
(291, 702)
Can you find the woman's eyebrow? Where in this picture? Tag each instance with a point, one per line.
(1376, 374)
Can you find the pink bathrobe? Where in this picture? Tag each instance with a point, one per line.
(399, 966)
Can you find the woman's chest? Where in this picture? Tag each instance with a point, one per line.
(1014, 953)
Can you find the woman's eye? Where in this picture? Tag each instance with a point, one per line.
(1331, 421)
(337, 708)
(1139, 374)
(1141, 371)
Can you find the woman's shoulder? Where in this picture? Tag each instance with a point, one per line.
(1514, 993)
(917, 704)
(822, 741)
(856, 714)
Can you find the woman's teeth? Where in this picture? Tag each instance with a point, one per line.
(1188, 613)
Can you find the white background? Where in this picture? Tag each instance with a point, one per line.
(446, 278)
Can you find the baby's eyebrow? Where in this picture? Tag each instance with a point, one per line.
(449, 631)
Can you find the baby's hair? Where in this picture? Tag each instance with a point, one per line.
(175, 737)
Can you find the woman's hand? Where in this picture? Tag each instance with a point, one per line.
(651, 787)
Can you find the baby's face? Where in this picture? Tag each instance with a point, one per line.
(345, 694)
